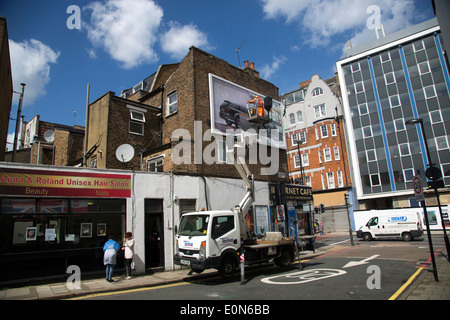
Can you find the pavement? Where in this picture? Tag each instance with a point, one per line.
(420, 286)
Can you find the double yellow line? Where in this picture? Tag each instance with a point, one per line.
(406, 284)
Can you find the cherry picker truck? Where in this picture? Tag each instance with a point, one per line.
(220, 239)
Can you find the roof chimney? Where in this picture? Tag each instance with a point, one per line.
(252, 65)
(246, 64)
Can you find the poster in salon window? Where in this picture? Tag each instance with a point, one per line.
(262, 219)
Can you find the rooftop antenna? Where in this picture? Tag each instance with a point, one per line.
(74, 115)
(237, 52)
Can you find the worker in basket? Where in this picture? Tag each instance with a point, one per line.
(259, 104)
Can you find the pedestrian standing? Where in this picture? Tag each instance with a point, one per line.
(321, 228)
(128, 246)
(110, 256)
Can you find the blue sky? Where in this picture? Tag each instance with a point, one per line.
(121, 42)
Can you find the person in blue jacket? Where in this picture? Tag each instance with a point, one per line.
(109, 257)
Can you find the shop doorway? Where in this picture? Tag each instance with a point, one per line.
(154, 240)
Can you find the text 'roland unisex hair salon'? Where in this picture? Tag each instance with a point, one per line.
(51, 219)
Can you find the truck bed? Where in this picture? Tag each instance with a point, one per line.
(269, 243)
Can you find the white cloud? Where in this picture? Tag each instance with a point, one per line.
(30, 64)
(269, 69)
(320, 21)
(179, 39)
(126, 30)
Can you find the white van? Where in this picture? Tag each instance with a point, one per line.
(391, 225)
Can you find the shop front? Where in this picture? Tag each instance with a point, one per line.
(292, 209)
(51, 219)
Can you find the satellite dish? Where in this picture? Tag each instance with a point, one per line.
(125, 153)
(49, 135)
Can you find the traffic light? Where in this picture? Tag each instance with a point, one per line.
(322, 208)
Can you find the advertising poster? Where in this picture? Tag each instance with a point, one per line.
(232, 106)
(262, 219)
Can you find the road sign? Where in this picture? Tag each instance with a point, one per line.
(418, 191)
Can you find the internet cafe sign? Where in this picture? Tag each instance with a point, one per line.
(45, 183)
(291, 192)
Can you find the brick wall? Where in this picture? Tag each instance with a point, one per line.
(190, 80)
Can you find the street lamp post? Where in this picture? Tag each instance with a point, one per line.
(432, 173)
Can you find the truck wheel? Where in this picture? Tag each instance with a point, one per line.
(406, 236)
(367, 236)
(227, 267)
(285, 258)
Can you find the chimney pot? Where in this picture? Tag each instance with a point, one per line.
(246, 64)
(252, 65)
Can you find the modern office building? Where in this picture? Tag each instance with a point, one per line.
(384, 84)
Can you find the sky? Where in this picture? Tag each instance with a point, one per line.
(58, 47)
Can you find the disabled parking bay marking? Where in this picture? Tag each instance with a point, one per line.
(304, 276)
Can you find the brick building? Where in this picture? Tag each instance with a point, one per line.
(42, 142)
(6, 86)
(313, 118)
(177, 96)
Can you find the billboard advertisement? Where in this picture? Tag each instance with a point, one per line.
(237, 109)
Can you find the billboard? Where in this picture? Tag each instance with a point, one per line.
(238, 109)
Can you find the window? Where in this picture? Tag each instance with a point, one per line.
(299, 116)
(301, 136)
(292, 118)
(320, 155)
(327, 154)
(221, 226)
(375, 179)
(389, 78)
(137, 120)
(424, 67)
(337, 156)
(371, 155)
(296, 161)
(418, 46)
(324, 131)
(307, 181)
(93, 162)
(409, 174)
(223, 156)
(363, 109)
(435, 116)
(317, 92)
(430, 92)
(305, 159)
(394, 101)
(367, 131)
(355, 67)
(372, 222)
(320, 111)
(340, 180)
(330, 180)
(385, 56)
(442, 143)
(155, 164)
(187, 205)
(404, 149)
(359, 87)
(172, 103)
(333, 129)
(399, 124)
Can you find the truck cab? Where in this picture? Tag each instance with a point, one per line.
(204, 239)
